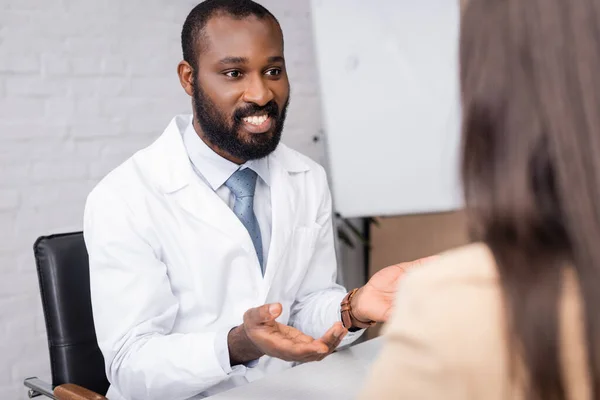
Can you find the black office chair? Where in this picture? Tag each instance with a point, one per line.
(76, 362)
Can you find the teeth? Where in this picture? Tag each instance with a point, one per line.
(254, 120)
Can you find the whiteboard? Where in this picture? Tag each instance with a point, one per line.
(388, 72)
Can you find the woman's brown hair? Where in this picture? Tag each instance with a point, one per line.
(530, 83)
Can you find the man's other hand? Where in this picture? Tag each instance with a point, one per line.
(260, 335)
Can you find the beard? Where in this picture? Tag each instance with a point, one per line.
(226, 133)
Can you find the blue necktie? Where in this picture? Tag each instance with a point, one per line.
(243, 184)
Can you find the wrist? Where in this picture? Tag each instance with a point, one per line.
(350, 319)
(241, 348)
(355, 309)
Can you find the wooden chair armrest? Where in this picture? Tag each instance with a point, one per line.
(69, 391)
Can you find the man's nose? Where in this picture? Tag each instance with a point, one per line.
(258, 92)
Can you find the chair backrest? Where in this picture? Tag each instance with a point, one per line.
(64, 277)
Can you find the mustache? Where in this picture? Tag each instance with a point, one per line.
(271, 109)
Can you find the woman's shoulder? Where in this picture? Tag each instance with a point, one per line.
(471, 264)
(460, 285)
(453, 304)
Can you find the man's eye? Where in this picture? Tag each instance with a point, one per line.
(233, 74)
(274, 72)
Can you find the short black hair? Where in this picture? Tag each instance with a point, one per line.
(195, 23)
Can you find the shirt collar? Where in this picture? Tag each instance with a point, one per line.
(214, 168)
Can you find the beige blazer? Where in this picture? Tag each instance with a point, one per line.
(447, 337)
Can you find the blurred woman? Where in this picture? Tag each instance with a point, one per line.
(516, 314)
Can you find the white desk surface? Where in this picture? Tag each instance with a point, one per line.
(339, 376)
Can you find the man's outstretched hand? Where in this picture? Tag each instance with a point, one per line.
(373, 302)
(261, 335)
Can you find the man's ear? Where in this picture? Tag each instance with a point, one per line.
(186, 77)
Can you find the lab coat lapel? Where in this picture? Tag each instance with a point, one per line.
(176, 177)
(202, 203)
(283, 207)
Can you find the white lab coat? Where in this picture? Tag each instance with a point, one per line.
(172, 269)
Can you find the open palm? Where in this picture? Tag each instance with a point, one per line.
(374, 300)
(288, 343)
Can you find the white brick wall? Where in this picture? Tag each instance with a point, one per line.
(82, 85)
